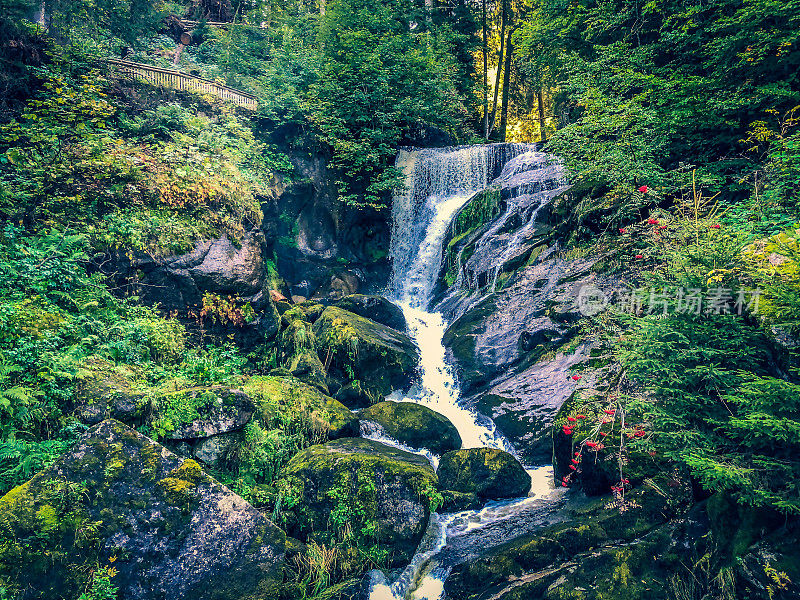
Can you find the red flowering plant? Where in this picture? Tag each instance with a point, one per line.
(597, 431)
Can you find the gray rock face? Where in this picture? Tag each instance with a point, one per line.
(415, 425)
(173, 531)
(212, 450)
(219, 266)
(536, 311)
(387, 484)
(228, 411)
(512, 349)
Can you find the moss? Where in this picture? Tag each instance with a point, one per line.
(179, 488)
(339, 482)
(415, 425)
(279, 400)
(356, 348)
(488, 472)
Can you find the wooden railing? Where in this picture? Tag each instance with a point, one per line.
(182, 81)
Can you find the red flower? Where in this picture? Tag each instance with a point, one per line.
(573, 467)
(571, 419)
(575, 462)
(716, 226)
(591, 444)
(639, 433)
(639, 256)
(566, 430)
(625, 481)
(576, 377)
(662, 226)
(610, 411)
(580, 416)
(603, 433)
(643, 189)
(622, 230)
(652, 221)
(564, 484)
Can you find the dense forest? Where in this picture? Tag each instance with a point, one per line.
(201, 328)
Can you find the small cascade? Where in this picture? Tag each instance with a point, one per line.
(526, 183)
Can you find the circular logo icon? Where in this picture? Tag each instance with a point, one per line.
(591, 300)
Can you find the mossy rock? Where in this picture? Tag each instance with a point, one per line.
(354, 396)
(277, 397)
(105, 391)
(363, 485)
(307, 367)
(306, 311)
(488, 472)
(598, 552)
(415, 425)
(206, 411)
(453, 502)
(381, 358)
(375, 308)
(171, 530)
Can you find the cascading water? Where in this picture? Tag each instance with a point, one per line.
(439, 183)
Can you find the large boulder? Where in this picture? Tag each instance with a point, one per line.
(415, 425)
(322, 415)
(381, 358)
(488, 472)
(373, 485)
(375, 308)
(120, 499)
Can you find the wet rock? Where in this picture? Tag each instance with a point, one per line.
(584, 555)
(381, 358)
(524, 405)
(414, 425)
(375, 308)
(389, 485)
(509, 326)
(172, 531)
(224, 410)
(487, 472)
(325, 417)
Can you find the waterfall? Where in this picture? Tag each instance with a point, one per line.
(438, 183)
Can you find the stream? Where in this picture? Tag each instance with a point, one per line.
(439, 183)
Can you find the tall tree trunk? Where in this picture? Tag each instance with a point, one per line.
(485, 78)
(322, 4)
(506, 83)
(499, 68)
(542, 124)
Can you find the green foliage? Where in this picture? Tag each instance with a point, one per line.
(376, 79)
(102, 587)
(644, 90)
(714, 407)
